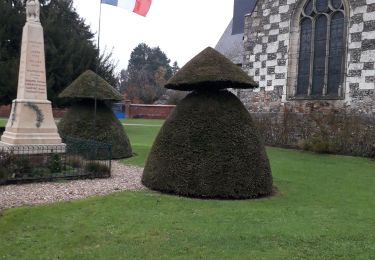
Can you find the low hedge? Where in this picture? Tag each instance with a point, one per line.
(335, 132)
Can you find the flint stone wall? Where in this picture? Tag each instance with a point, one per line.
(267, 40)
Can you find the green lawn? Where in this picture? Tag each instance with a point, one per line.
(142, 133)
(325, 209)
(147, 122)
(3, 122)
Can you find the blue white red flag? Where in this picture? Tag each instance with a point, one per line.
(140, 7)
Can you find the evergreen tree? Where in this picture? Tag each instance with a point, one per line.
(11, 22)
(175, 68)
(148, 71)
(69, 47)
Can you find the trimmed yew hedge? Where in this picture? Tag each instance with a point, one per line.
(209, 148)
(78, 122)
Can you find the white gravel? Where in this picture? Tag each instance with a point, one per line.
(124, 177)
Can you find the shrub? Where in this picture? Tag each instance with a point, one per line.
(5, 174)
(55, 165)
(22, 166)
(334, 132)
(75, 162)
(210, 148)
(97, 170)
(41, 172)
(78, 122)
(5, 159)
(316, 144)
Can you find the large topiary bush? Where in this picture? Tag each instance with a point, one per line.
(79, 119)
(209, 146)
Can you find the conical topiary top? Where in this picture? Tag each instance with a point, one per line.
(210, 70)
(88, 85)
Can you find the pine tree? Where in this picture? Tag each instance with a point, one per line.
(69, 47)
(148, 70)
(175, 68)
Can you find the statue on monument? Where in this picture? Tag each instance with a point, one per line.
(32, 10)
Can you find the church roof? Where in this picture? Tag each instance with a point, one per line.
(231, 46)
(231, 42)
(241, 8)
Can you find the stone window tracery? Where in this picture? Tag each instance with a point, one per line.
(320, 58)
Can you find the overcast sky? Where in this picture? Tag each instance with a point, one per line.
(181, 28)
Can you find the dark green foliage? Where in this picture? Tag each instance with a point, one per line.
(55, 163)
(149, 59)
(22, 166)
(5, 163)
(41, 172)
(175, 68)
(11, 21)
(97, 170)
(78, 122)
(69, 47)
(90, 85)
(316, 144)
(4, 174)
(336, 132)
(75, 162)
(5, 158)
(210, 148)
(210, 70)
(147, 72)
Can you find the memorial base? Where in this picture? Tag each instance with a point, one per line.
(31, 123)
(32, 148)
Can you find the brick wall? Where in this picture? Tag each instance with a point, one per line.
(57, 112)
(148, 111)
(5, 110)
(133, 111)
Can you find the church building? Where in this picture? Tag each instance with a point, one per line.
(307, 55)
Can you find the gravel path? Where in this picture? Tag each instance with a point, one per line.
(123, 177)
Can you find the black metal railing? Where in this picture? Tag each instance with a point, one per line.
(77, 159)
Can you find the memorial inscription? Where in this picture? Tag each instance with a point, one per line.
(35, 78)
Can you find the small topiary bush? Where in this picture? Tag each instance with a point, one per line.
(210, 148)
(78, 122)
(74, 162)
(316, 144)
(5, 174)
(40, 172)
(55, 164)
(22, 166)
(97, 170)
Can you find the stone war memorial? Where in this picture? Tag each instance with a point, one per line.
(31, 121)
(31, 148)
(209, 146)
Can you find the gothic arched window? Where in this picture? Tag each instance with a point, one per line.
(321, 49)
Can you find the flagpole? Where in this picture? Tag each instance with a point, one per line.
(97, 69)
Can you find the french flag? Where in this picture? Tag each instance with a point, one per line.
(140, 7)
